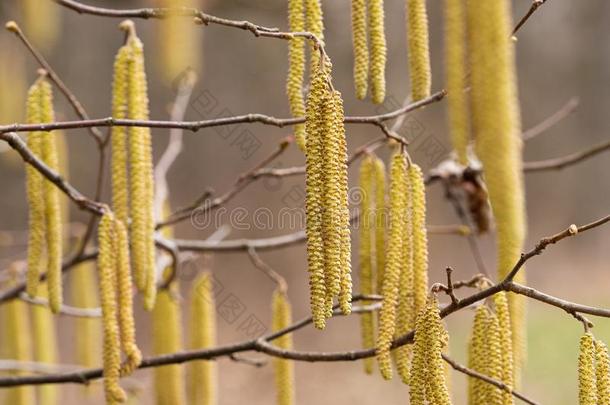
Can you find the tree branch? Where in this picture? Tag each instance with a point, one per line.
(565, 161)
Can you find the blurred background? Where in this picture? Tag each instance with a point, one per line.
(562, 53)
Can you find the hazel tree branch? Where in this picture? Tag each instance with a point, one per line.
(565, 161)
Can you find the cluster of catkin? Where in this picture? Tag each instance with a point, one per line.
(328, 232)
(283, 368)
(45, 224)
(428, 381)
(303, 15)
(490, 353)
(593, 372)
(132, 171)
(117, 306)
(366, 62)
(480, 55)
(405, 276)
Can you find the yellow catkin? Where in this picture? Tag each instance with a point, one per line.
(88, 334)
(313, 203)
(428, 372)
(495, 120)
(503, 314)
(107, 281)
(17, 346)
(296, 67)
(167, 338)
(314, 23)
(587, 388)
(420, 237)
(380, 221)
(179, 42)
(361, 49)
(54, 232)
(35, 195)
(494, 361)
(14, 82)
(45, 347)
(387, 315)
(419, 54)
(477, 356)
(366, 251)
(602, 373)
(283, 368)
(455, 76)
(202, 375)
(378, 50)
(125, 300)
(42, 22)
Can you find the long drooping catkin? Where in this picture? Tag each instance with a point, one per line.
(387, 315)
(420, 236)
(361, 48)
(427, 372)
(380, 221)
(296, 67)
(455, 76)
(283, 368)
(506, 347)
(42, 22)
(314, 205)
(419, 54)
(477, 356)
(495, 119)
(378, 50)
(587, 387)
(202, 375)
(167, 338)
(602, 373)
(45, 347)
(112, 344)
(88, 334)
(494, 361)
(366, 251)
(314, 23)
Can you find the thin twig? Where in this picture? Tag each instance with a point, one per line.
(64, 309)
(565, 161)
(535, 6)
(260, 264)
(553, 120)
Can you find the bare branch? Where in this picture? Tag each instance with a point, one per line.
(553, 120)
(565, 161)
(535, 6)
(64, 309)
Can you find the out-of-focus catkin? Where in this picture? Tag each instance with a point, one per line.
(378, 50)
(497, 134)
(296, 67)
(427, 371)
(367, 227)
(587, 387)
(202, 375)
(42, 22)
(420, 236)
(455, 76)
(283, 368)
(602, 373)
(88, 334)
(45, 347)
(387, 315)
(381, 216)
(419, 54)
(361, 49)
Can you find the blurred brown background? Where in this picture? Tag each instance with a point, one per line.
(563, 52)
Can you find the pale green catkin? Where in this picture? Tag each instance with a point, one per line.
(45, 348)
(283, 368)
(381, 216)
(361, 49)
(378, 50)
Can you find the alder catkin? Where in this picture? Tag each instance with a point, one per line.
(361, 48)
(587, 388)
(296, 67)
(387, 315)
(88, 334)
(167, 338)
(365, 253)
(455, 76)
(494, 361)
(506, 347)
(602, 373)
(381, 217)
(497, 134)
(420, 236)
(419, 54)
(283, 368)
(202, 374)
(477, 356)
(107, 279)
(314, 23)
(45, 347)
(378, 50)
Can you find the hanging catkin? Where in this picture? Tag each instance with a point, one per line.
(427, 371)
(420, 236)
(587, 387)
(167, 338)
(296, 67)
(42, 22)
(88, 335)
(314, 23)
(361, 49)
(283, 368)
(202, 375)
(497, 134)
(45, 347)
(455, 73)
(387, 315)
(366, 251)
(602, 373)
(419, 54)
(477, 356)
(506, 347)
(380, 221)
(378, 50)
